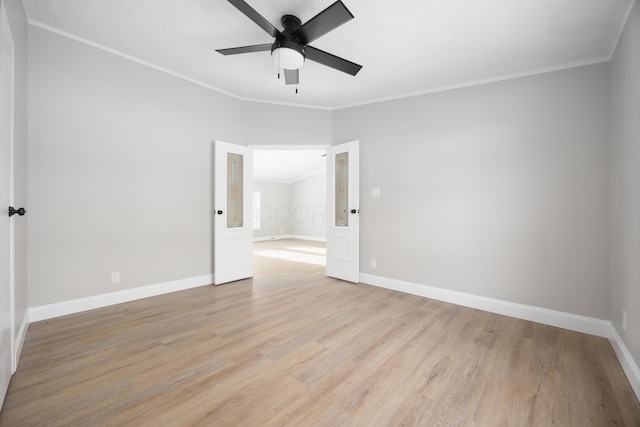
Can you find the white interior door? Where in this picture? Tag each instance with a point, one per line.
(343, 207)
(233, 197)
(7, 364)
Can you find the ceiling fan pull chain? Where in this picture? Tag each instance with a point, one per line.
(278, 64)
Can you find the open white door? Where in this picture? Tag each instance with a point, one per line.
(7, 362)
(233, 229)
(343, 206)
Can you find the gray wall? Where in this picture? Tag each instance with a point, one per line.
(275, 201)
(272, 124)
(120, 168)
(625, 189)
(309, 205)
(18, 24)
(499, 190)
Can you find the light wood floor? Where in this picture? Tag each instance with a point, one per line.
(292, 347)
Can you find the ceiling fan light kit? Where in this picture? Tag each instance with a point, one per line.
(287, 54)
(290, 47)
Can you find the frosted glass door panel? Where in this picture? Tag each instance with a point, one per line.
(342, 189)
(234, 190)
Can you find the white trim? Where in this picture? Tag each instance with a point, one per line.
(587, 325)
(278, 181)
(310, 238)
(337, 107)
(569, 321)
(159, 68)
(614, 46)
(275, 181)
(286, 104)
(132, 58)
(288, 147)
(64, 308)
(629, 366)
(290, 236)
(267, 238)
(476, 82)
(309, 175)
(574, 322)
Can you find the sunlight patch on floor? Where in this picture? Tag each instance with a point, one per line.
(293, 256)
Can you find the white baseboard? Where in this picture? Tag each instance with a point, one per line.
(629, 366)
(310, 238)
(290, 236)
(266, 238)
(587, 325)
(64, 308)
(545, 316)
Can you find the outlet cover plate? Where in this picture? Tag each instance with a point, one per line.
(115, 277)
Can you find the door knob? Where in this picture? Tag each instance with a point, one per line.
(13, 211)
(219, 212)
(353, 211)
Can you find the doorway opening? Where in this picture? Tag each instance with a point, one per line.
(289, 212)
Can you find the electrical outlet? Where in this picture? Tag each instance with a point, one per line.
(374, 263)
(115, 277)
(624, 319)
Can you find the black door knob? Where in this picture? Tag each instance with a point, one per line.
(353, 211)
(219, 212)
(13, 211)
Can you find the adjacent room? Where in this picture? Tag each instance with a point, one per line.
(289, 204)
(289, 194)
(326, 213)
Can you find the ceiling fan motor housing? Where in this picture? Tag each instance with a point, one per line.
(290, 23)
(286, 40)
(289, 44)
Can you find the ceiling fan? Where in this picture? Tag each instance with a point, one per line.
(291, 46)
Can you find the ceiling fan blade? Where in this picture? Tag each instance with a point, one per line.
(251, 13)
(291, 77)
(325, 21)
(332, 61)
(245, 49)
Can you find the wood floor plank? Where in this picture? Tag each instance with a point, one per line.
(292, 347)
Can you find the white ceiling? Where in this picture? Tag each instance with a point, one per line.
(405, 47)
(287, 166)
